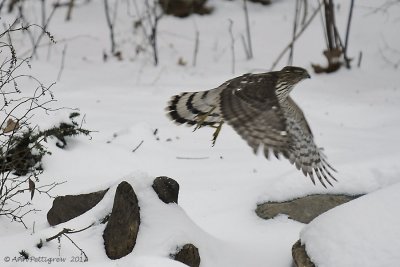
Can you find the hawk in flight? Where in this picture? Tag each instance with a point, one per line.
(260, 110)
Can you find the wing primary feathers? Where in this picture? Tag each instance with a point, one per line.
(316, 170)
(325, 177)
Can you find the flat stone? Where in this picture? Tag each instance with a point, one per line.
(303, 209)
(300, 257)
(123, 224)
(189, 255)
(68, 207)
(167, 189)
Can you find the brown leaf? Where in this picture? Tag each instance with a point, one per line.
(31, 188)
(11, 126)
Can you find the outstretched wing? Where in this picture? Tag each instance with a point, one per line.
(250, 106)
(302, 151)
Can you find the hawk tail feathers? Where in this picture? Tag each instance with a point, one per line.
(193, 108)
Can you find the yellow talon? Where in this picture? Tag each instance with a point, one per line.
(202, 119)
(216, 133)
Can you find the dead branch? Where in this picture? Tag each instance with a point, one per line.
(196, 47)
(303, 28)
(64, 52)
(110, 25)
(232, 45)
(249, 47)
(137, 147)
(346, 44)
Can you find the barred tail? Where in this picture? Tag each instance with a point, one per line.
(194, 108)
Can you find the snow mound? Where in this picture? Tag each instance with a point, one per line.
(364, 232)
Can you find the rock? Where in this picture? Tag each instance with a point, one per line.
(167, 189)
(183, 8)
(263, 2)
(300, 257)
(68, 207)
(188, 255)
(303, 209)
(123, 224)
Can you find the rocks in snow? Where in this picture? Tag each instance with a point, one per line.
(68, 207)
(303, 209)
(123, 221)
(300, 257)
(167, 189)
(189, 255)
(123, 225)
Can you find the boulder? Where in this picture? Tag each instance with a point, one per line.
(183, 8)
(68, 207)
(123, 224)
(263, 2)
(189, 255)
(300, 257)
(303, 209)
(167, 189)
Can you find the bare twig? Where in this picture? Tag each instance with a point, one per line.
(347, 35)
(45, 23)
(65, 232)
(64, 52)
(232, 45)
(300, 32)
(249, 48)
(70, 7)
(295, 22)
(137, 147)
(196, 47)
(192, 157)
(110, 25)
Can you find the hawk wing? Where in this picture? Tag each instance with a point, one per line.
(249, 104)
(302, 151)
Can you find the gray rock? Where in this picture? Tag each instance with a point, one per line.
(68, 207)
(183, 8)
(189, 255)
(263, 2)
(303, 209)
(300, 257)
(167, 189)
(123, 224)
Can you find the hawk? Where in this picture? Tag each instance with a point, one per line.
(260, 110)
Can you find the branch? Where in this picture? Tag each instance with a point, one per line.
(296, 36)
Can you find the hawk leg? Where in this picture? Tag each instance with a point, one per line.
(202, 118)
(216, 133)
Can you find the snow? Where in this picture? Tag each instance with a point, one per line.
(363, 232)
(354, 115)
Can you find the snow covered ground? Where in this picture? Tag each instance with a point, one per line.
(354, 115)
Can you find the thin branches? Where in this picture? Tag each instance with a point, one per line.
(18, 169)
(148, 20)
(196, 47)
(247, 44)
(65, 232)
(299, 33)
(346, 41)
(232, 46)
(110, 24)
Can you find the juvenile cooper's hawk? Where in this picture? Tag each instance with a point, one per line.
(259, 108)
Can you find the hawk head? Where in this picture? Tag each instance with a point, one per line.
(294, 75)
(288, 77)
